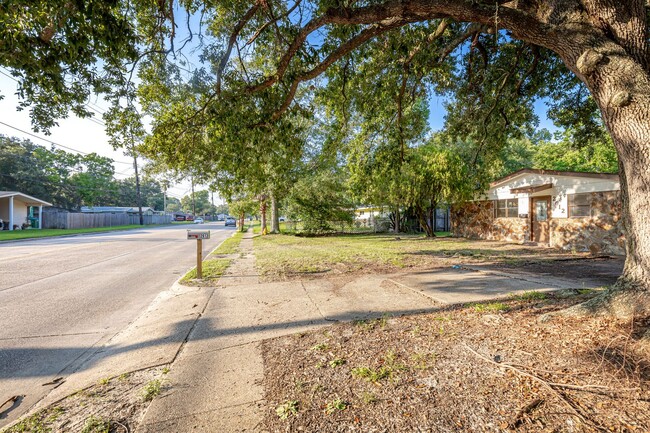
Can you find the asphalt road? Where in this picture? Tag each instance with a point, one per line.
(62, 298)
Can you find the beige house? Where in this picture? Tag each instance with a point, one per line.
(568, 210)
(17, 209)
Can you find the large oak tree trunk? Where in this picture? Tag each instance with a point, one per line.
(620, 84)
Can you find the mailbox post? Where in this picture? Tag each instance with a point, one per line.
(199, 235)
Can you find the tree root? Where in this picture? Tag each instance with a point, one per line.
(613, 302)
(553, 388)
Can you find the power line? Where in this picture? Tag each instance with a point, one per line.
(55, 143)
(87, 104)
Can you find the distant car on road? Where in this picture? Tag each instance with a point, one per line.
(198, 221)
(230, 221)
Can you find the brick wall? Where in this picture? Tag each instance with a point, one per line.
(475, 220)
(601, 233)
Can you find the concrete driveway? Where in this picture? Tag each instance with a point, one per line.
(62, 299)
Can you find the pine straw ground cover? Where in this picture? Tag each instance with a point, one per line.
(477, 368)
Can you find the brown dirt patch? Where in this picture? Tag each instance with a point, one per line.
(113, 405)
(481, 368)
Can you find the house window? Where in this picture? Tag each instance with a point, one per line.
(508, 208)
(579, 205)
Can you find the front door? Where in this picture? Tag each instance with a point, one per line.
(541, 207)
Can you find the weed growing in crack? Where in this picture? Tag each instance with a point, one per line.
(33, 424)
(152, 389)
(492, 307)
(370, 324)
(529, 296)
(96, 425)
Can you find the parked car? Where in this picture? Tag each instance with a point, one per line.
(180, 218)
(198, 221)
(189, 217)
(230, 221)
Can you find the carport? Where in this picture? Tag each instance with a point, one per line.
(17, 208)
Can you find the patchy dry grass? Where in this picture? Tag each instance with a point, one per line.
(463, 370)
(285, 256)
(112, 405)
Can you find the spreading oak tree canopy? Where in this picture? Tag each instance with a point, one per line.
(226, 82)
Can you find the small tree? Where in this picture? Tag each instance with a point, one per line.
(241, 207)
(319, 201)
(435, 175)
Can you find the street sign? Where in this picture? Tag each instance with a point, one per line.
(198, 234)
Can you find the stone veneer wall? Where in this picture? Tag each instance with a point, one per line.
(600, 233)
(475, 220)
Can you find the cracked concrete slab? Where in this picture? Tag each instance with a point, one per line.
(342, 299)
(155, 338)
(216, 383)
(235, 419)
(461, 285)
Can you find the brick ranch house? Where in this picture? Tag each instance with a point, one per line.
(562, 209)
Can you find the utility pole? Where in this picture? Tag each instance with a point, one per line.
(193, 202)
(137, 185)
(165, 185)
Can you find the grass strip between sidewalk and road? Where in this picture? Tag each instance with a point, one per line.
(213, 269)
(229, 246)
(43, 233)
(215, 266)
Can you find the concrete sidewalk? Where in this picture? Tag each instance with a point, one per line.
(215, 381)
(216, 378)
(211, 335)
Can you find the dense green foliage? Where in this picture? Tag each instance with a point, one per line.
(233, 106)
(319, 202)
(69, 180)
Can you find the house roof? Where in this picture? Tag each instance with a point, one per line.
(32, 201)
(116, 209)
(523, 171)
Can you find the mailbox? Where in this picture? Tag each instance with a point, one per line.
(198, 234)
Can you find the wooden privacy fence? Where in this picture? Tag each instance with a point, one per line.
(65, 220)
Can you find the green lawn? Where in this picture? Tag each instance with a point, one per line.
(6, 235)
(230, 245)
(280, 256)
(212, 270)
